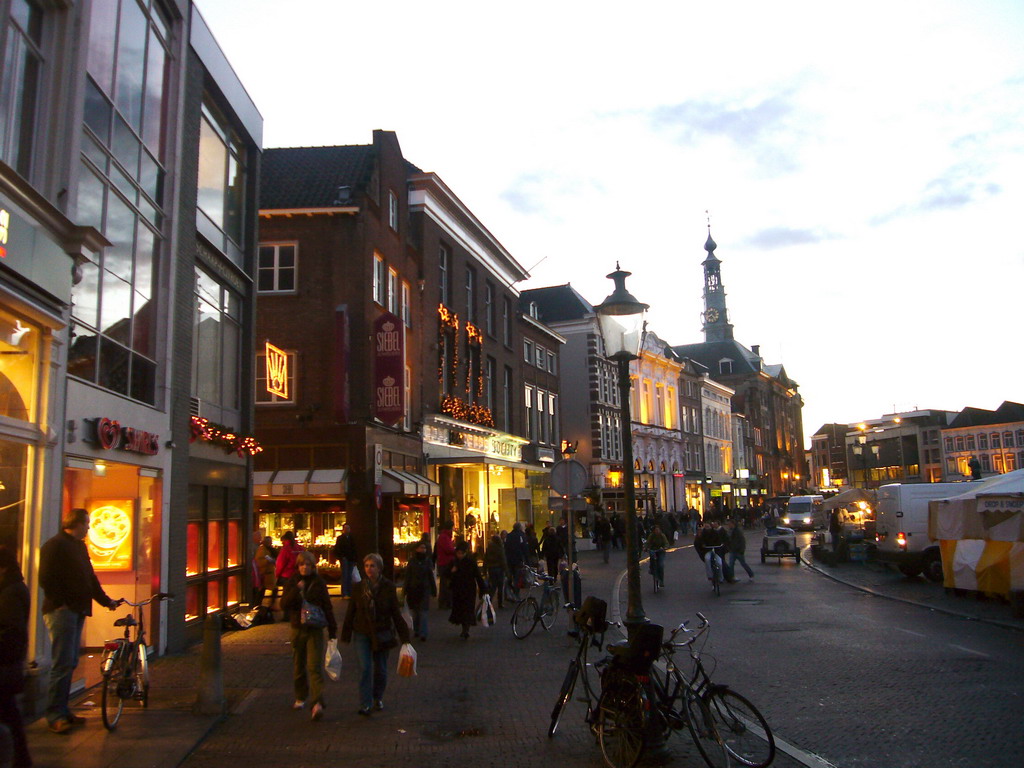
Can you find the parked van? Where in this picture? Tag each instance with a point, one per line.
(803, 512)
(901, 526)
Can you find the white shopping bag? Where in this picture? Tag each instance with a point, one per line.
(332, 660)
(407, 661)
(482, 612)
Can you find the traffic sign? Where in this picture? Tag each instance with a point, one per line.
(568, 477)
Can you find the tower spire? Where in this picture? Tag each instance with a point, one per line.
(716, 316)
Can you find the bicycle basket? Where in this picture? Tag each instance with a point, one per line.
(639, 653)
(592, 615)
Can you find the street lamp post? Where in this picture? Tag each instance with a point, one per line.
(862, 449)
(621, 321)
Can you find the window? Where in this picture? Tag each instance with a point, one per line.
(489, 308)
(551, 362)
(1007, 439)
(278, 266)
(444, 270)
(506, 392)
(470, 295)
(1011, 462)
(528, 351)
(447, 366)
(552, 419)
(262, 396)
(392, 210)
(21, 70)
(970, 442)
(393, 297)
(995, 440)
(220, 215)
(506, 321)
(997, 463)
(959, 442)
(659, 405)
(1020, 438)
(982, 443)
(379, 279)
(541, 357)
(407, 417)
(216, 341)
(406, 304)
(986, 463)
(534, 311)
(489, 383)
(725, 367)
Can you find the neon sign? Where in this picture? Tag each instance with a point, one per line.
(5, 225)
(277, 371)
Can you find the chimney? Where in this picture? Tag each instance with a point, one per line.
(756, 349)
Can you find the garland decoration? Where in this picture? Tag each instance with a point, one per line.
(218, 434)
(474, 413)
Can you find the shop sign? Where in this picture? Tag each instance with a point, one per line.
(111, 436)
(496, 446)
(389, 369)
(109, 540)
(277, 371)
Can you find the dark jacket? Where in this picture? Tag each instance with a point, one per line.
(551, 547)
(419, 579)
(706, 539)
(602, 530)
(345, 547)
(466, 580)
(14, 609)
(516, 549)
(737, 541)
(316, 593)
(67, 577)
(372, 610)
(494, 556)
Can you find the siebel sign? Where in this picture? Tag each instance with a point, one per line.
(389, 369)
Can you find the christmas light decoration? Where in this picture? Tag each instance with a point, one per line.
(218, 434)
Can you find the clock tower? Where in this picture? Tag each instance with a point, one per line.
(715, 316)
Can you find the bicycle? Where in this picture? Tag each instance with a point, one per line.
(529, 612)
(591, 626)
(719, 719)
(125, 664)
(657, 568)
(717, 566)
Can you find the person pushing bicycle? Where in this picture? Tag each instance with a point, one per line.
(709, 545)
(657, 544)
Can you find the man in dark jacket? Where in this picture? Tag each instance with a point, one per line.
(69, 587)
(14, 608)
(738, 549)
(345, 552)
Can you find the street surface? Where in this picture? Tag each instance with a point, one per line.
(845, 678)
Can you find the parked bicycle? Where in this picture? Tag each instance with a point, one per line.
(723, 724)
(125, 664)
(590, 625)
(532, 611)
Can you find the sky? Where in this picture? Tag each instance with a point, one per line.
(862, 164)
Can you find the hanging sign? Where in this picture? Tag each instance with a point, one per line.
(389, 369)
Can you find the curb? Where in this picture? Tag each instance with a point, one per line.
(808, 562)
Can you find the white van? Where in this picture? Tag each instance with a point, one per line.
(803, 512)
(901, 526)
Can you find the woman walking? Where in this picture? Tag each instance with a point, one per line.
(419, 587)
(466, 580)
(371, 621)
(307, 586)
(497, 570)
(552, 550)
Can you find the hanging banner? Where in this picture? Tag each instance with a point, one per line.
(388, 369)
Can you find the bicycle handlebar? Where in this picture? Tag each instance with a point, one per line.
(158, 596)
(703, 627)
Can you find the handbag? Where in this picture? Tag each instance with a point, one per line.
(312, 616)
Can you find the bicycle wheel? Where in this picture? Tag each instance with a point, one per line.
(142, 677)
(564, 695)
(549, 612)
(716, 578)
(743, 729)
(702, 729)
(111, 702)
(525, 618)
(622, 723)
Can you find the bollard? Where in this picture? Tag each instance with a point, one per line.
(210, 696)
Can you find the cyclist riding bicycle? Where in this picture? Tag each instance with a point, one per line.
(709, 545)
(657, 543)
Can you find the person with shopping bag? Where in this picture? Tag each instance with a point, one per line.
(308, 606)
(372, 621)
(465, 580)
(419, 587)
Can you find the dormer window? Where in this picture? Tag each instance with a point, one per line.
(534, 312)
(725, 366)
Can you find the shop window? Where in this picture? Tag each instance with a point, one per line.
(13, 463)
(193, 537)
(234, 543)
(194, 597)
(234, 590)
(19, 362)
(214, 595)
(215, 545)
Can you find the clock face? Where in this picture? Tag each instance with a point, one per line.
(711, 315)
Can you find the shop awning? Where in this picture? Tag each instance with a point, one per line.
(261, 483)
(289, 482)
(408, 484)
(330, 482)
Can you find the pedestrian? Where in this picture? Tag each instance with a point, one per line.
(835, 529)
(371, 622)
(444, 553)
(603, 536)
(516, 552)
(718, 530)
(345, 553)
(69, 587)
(708, 546)
(657, 545)
(532, 546)
(497, 570)
(738, 549)
(420, 586)
(263, 574)
(551, 550)
(465, 580)
(14, 611)
(287, 558)
(307, 586)
(618, 531)
(695, 520)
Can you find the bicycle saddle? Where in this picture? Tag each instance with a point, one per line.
(126, 621)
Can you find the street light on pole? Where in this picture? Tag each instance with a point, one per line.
(622, 328)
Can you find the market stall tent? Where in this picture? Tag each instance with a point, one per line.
(981, 535)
